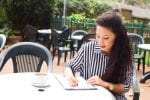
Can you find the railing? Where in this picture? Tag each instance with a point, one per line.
(88, 25)
(84, 24)
(146, 33)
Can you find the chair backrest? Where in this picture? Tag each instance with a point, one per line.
(2, 41)
(135, 39)
(27, 57)
(30, 33)
(88, 37)
(65, 34)
(79, 32)
(55, 38)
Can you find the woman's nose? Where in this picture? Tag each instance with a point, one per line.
(100, 41)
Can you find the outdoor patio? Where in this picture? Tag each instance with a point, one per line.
(144, 88)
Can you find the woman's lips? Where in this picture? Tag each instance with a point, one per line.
(102, 46)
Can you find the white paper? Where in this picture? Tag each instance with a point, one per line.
(82, 84)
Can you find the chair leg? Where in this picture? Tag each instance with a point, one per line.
(66, 53)
(54, 51)
(59, 56)
(71, 54)
(138, 64)
(143, 66)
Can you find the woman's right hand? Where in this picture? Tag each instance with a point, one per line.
(72, 81)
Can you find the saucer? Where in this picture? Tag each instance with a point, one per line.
(41, 85)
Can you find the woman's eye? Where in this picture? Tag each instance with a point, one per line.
(98, 36)
(105, 38)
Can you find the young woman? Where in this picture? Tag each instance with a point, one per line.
(107, 61)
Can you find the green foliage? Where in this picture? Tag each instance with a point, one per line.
(77, 16)
(4, 23)
(99, 8)
(6, 30)
(3, 17)
(91, 8)
(34, 12)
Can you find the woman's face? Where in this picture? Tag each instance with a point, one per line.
(105, 38)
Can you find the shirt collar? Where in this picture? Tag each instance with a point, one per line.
(97, 49)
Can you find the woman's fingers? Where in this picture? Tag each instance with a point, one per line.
(93, 80)
(72, 81)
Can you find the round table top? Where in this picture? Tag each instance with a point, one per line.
(77, 37)
(47, 31)
(144, 46)
(18, 86)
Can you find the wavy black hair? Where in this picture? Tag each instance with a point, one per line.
(120, 57)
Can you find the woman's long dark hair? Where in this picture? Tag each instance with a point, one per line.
(120, 57)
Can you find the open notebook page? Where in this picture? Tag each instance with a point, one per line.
(82, 84)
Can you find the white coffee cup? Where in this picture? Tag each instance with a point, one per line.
(40, 79)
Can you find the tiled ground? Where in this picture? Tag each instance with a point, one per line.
(144, 88)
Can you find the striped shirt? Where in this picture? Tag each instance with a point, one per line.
(91, 61)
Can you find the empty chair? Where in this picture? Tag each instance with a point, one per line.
(135, 40)
(60, 43)
(77, 36)
(30, 33)
(79, 32)
(65, 33)
(2, 41)
(87, 38)
(27, 57)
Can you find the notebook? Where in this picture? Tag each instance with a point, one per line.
(82, 84)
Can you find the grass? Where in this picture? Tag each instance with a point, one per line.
(147, 60)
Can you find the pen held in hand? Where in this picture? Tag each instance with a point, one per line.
(73, 81)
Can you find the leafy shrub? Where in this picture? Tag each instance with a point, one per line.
(34, 12)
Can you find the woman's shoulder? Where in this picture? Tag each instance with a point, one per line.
(90, 44)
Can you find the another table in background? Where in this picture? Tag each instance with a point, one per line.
(145, 47)
(77, 39)
(45, 36)
(47, 31)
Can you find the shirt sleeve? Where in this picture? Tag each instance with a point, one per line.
(129, 79)
(77, 61)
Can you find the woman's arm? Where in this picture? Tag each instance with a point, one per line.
(74, 66)
(95, 80)
(77, 61)
(118, 88)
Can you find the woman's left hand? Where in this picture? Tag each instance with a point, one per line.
(95, 80)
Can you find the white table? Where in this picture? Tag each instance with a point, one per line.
(47, 31)
(17, 86)
(44, 31)
(145, 47)
(77, 37)
(44, 35)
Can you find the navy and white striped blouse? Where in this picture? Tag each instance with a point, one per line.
(90, 61)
